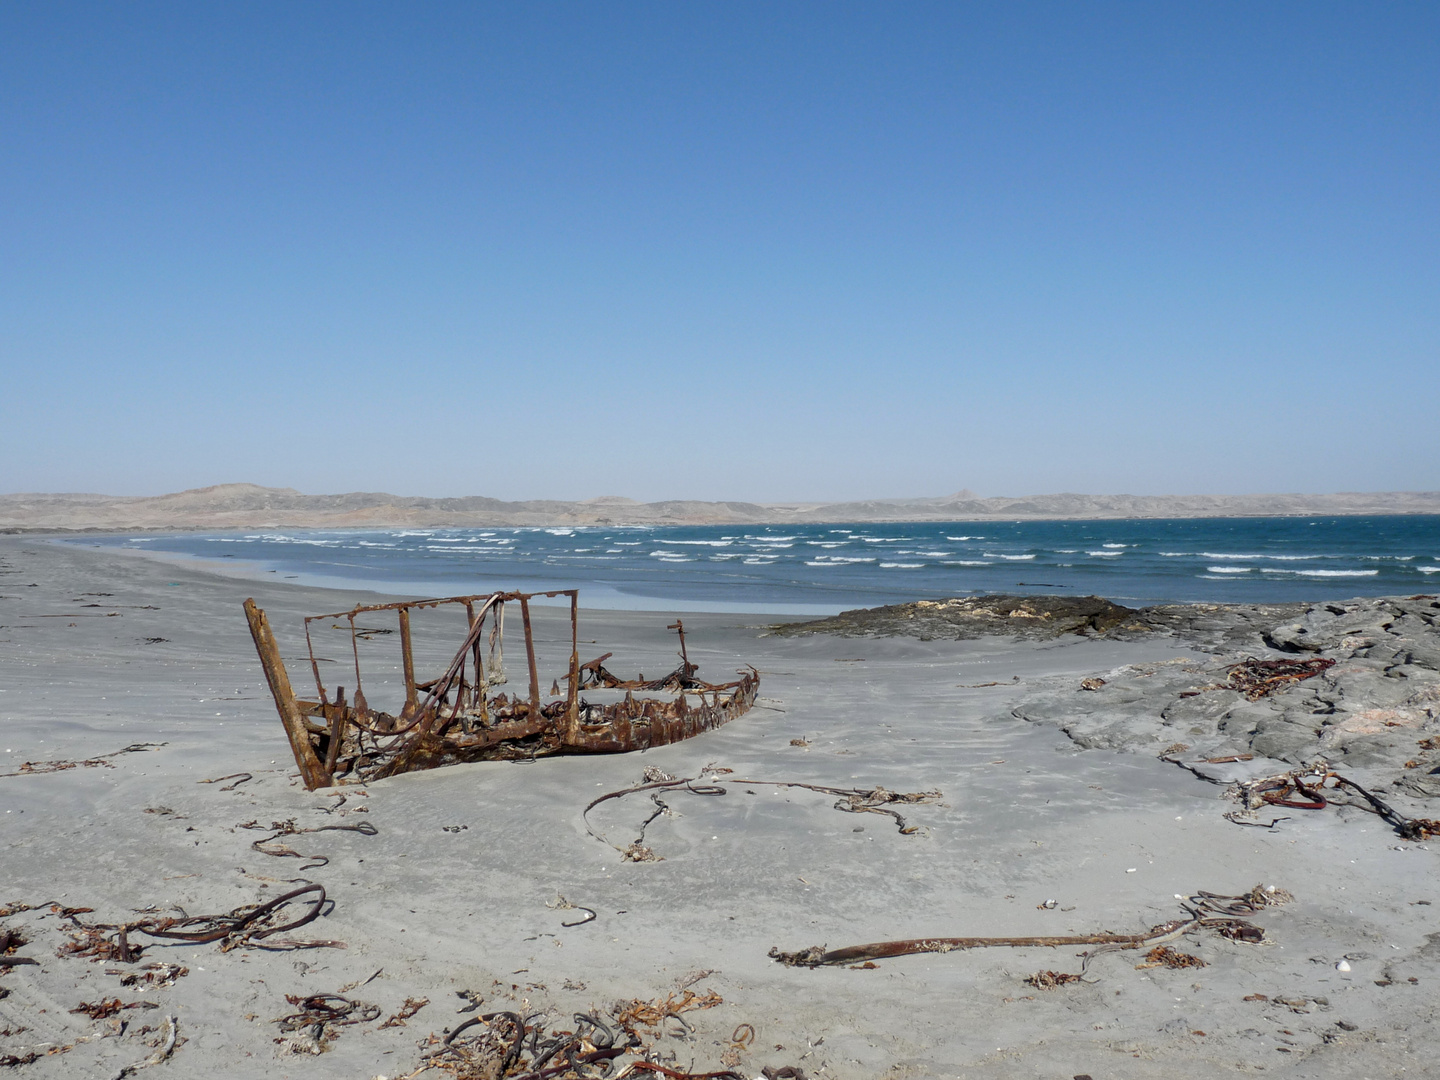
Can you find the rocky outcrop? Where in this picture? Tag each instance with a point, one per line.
(1378, 705)
(1028, 617)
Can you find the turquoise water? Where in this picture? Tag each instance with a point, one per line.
(827, 568)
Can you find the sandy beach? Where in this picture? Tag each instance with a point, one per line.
(1057, 816)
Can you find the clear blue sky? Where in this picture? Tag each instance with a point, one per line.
(727, 250)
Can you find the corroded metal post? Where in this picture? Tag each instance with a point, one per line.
(572, 691)
(311, 770)
(407, 657)
(530, 656)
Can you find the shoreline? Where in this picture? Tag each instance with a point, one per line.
(249, 570)
(1026, 817)
(823, 571)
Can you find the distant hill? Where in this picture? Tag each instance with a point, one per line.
(248, 506)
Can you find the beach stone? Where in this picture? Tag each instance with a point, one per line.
(1206, 708)
(1358, 690)
(1245, 719)
(1294, 743)
(1372, 751)
(1294, 638)
(1422, 654)
(1424, 785)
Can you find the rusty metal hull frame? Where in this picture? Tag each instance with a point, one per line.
(456, 717)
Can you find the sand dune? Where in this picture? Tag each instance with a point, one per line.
(246, 506)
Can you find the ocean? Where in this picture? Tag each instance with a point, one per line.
(822, 569)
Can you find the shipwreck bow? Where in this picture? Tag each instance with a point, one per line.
(458, 716)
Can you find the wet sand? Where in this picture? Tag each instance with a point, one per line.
(458, 889)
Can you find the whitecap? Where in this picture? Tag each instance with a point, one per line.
(901, 565)
(1428, 569)
(967, 562)
(1230, 569)
(1105, 554)
(1334, 573)
(1114, 545)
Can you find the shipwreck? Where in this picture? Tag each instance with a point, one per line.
(459, 715)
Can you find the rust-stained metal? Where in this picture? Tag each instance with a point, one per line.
(456, 716)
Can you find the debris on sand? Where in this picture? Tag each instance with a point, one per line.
(318, 1020)
(1260, 678)
(1305, 789)
(709, 782)
(1165, 956)
(1050, 980)
(505, 1046)
(1204, 910)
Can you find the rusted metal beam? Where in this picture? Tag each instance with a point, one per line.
(572, 680)
(407, 658)
(312, 772)
(530, 657)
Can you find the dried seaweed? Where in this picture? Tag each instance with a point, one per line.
(1259, 678)
(1164, 956)
(1051, 980)
(107, 1007)
(32, 768)
(653, 1014)
(406, 1011)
